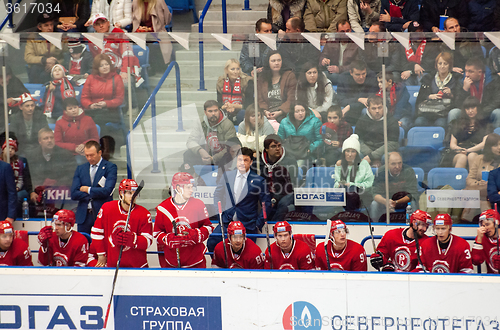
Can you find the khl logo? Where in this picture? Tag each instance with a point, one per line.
(432, 198)
(301, 315)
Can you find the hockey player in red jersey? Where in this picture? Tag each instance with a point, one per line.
(343, 254)
(61, 246)
(287, 252)
(241, 252)
(397, 251)
(13, 251)
(109, 232)
(183, 244)
(445, 252)
(485, 247)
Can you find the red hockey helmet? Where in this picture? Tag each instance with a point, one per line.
(282, 226)
(67, 216)
(182, 178)
(338, 224)
(236, 228)
(490, 215)
(6, 227)
(127, 185)
(443, 220)
(420, 215)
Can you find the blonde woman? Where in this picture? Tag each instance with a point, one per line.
(234, 91)
(246, 129)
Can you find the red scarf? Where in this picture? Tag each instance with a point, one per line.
(395, 10)
(478, 92)
(17, 168)
(66, 90)
(392, 98)
(75, 66)
(417, 58)
(232, 96)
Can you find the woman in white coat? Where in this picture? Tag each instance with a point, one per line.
(119, 13)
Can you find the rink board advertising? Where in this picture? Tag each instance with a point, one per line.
(204, 300)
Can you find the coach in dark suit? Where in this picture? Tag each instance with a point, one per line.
(241, 193)
(8, 194)
(91, 194)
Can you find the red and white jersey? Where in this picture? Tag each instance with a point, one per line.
(485, 252)
(399, 251)
(250, 256)
(299, 258)
(351, 258)
(190, 215)
(454, 259)
(72, 253)
(17, 255)
(112, 217)
(121, 54)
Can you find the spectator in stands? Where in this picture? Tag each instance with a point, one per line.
(14, 88)
(431, 11)
(15, 251)
(207, 144)
(481, 15)
(247, 62)
(57, 90)
(354, 174)
(370, 128)
(485, 248)
(93, 185)
(334, 132)
(22, 174)
(41, 55)
(468, 134)
(280, 11)
(51, 165)
(241, 193)
(78, 61)
(315, 90)
(416, 64)
(73, 14)
(338, 55)
(484, 163)
(8, 197)
(233, 146)
(150, 16)
(362, 14)
(397, 15)
(437, 95)
(402, 186)
(26, 124)
(322, 16)
(119, 13)
(246, 129)
(75, 129)
(276, 88)
(294, 48)
(234, 91)
(353, 90)
(280, 172)
(103, 92)
(397, 99)
(61, 246)
(300, 133)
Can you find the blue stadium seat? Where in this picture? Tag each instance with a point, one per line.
(432, 136)
(182, 6)
(401, 136)
(78, 92)
(320, 177)
(208, 173)
(419, 173)
(52, 126)
(98, 129)
(143, 56)
(375, 171)
(441, 176)
(168, 27)
(413, 90)
(424, 147)
(37, 91)
(497, 130)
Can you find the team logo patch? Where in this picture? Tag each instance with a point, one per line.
(60, 260)
(440, 266)
(301, 315)
(287, 266)
(493, 252)
(336, 266)
(402, 258)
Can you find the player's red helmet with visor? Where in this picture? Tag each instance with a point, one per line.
(182, 178)
(338, 224)
(67, 216)
(490, 215)
(443, 220)
(282, 226)
(236, 228)
(128, 185)
(420, 215)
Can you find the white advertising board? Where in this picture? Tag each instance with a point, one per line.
(453, 198)
(205, 193)
(39, 298)
(319, 196)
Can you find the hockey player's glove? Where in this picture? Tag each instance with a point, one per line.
(194, 235)
(377, 260)
(175, 242)
(388, 268)
(496, 261)
(127, 238)
(44, 235)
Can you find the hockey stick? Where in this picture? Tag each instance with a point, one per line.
(174, 224)
(417, 244)
(223, 235)
(327, 238)
(44, 197)
(267, 234)
(138, 190)
(370, 226)
(496, 228)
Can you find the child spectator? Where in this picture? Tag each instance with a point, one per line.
(57, 90)
(397, 99)
(334, 132)
(78, 61)
(74, 129)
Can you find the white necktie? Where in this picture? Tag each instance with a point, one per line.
(93, 170)
(238, 187)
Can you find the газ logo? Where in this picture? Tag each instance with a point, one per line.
(301, 315)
